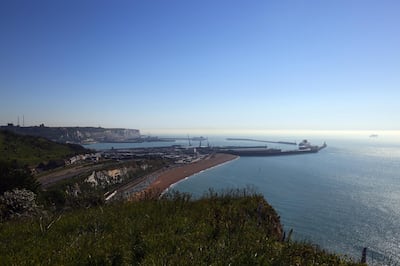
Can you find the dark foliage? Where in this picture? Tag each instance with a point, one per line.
(13, 175)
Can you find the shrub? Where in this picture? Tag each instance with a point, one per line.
(13, 175)
(17, 203)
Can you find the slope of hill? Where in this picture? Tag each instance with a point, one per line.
(76, 134)
(231, 229)
(33, 150)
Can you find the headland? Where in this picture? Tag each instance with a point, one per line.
(79, 135)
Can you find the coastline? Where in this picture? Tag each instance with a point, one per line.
(174, 175)
(185, 178)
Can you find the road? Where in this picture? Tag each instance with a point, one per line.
(50, 179)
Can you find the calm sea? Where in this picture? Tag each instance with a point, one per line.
(343, 198)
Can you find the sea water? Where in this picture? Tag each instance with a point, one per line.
(344, 198)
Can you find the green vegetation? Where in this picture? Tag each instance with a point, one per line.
(13, 176)
(234, 228)
(32, 150)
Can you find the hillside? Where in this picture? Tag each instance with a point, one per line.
(234, 229)
(33, 150)
(76, 134)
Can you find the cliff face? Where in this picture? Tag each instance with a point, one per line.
(104, 178)
(78, 135)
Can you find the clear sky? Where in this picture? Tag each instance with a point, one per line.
(302, 65)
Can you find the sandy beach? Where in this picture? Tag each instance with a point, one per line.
(173, 175)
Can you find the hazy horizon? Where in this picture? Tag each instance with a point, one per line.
(247, 132)
(202, 65)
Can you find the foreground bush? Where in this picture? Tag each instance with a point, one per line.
(18, 203)
(14, 175)
(217, 230)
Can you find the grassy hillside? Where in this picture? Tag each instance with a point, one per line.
(217, 230)
(33, 150)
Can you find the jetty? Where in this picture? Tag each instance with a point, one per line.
(304, 148)
(265, 141)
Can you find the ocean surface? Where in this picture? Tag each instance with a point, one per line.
(343, 198)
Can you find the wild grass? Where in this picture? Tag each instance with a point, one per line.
(34, 150)
(235, 228)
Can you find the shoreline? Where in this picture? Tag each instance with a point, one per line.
(185, 178)
(174, 175)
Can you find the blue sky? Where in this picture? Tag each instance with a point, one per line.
(204, 65)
